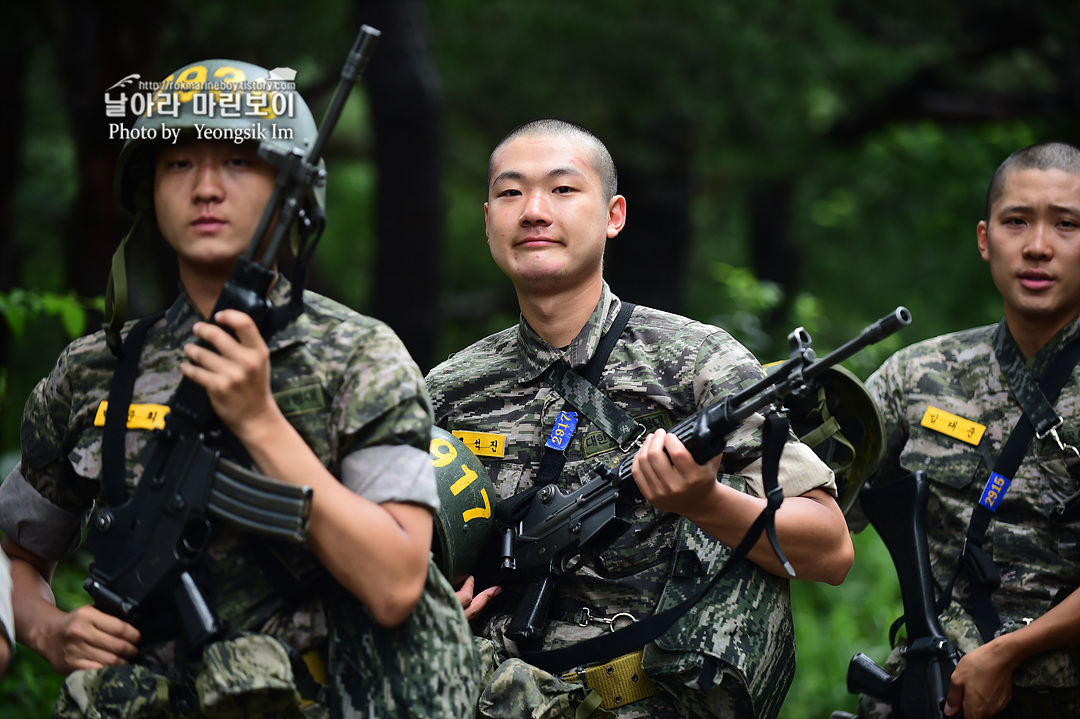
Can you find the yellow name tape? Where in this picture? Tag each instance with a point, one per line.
(140, 416)
(953, 425)
(483, 444)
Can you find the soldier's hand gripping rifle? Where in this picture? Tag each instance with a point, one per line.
(543, 531)
(898, 512)
(144, 547)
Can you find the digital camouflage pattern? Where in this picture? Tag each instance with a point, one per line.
(345, 382)
(726, 625)
(663, 368)
(1039, 559)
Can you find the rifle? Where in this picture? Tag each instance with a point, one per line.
(898, 512)
(143, 548)
(544, 529)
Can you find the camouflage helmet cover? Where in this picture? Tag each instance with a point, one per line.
(214, 99)
(465, 521)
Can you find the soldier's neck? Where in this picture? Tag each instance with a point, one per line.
(1032, 334)
(559, 316)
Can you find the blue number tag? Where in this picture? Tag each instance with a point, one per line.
(564, 427)
(994, 492)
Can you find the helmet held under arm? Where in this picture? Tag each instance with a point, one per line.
(841, 422)
(464, 522)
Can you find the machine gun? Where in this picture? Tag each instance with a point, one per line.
(144, 547)
(898, 512)
(541, 532)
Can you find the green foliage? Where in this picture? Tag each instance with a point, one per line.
(20, 306)
(832, 624)
(31, 687)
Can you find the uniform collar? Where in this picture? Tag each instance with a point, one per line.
(1005, 346)
(1066, 335)
(536, 355)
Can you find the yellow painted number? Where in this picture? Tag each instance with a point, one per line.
(478, 512)
(190, 82)
(443, 453)
(228, 75)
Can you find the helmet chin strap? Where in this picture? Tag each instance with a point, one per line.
(116, 294)
(311, 223)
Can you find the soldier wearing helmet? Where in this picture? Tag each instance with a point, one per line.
(357, 621)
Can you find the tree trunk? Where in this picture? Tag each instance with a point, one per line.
(406, 103)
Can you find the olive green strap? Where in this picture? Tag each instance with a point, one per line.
(116, 295)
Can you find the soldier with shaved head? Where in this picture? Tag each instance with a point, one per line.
(552, 207)
(1021, 638)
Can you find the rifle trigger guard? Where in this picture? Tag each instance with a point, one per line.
(635, 441)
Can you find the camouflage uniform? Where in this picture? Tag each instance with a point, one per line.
(663, 368)
(347, 385)
(1039, 559)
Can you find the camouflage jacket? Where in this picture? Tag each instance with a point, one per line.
(662, 369)
(1039, 559)
(347, 385)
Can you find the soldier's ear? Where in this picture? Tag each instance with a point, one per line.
(616, 215)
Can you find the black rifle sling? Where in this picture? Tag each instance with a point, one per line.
(510, 510)
(637, 635)
(121, 389)
(1037, 416)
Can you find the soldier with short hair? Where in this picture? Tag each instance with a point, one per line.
(551, 207)
(1025, 659)
(356, 621)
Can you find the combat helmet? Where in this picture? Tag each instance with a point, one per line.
(466, 496)
(214, 99)
(842, 423)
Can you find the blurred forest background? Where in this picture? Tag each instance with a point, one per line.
(811, 163)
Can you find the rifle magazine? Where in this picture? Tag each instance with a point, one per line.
(259, 504)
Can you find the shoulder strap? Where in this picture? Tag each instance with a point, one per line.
(552, 461)
(121, 390)
(1038, 417)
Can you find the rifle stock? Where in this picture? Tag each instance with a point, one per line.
(553, 527)
(898, 512)
(145, 548)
